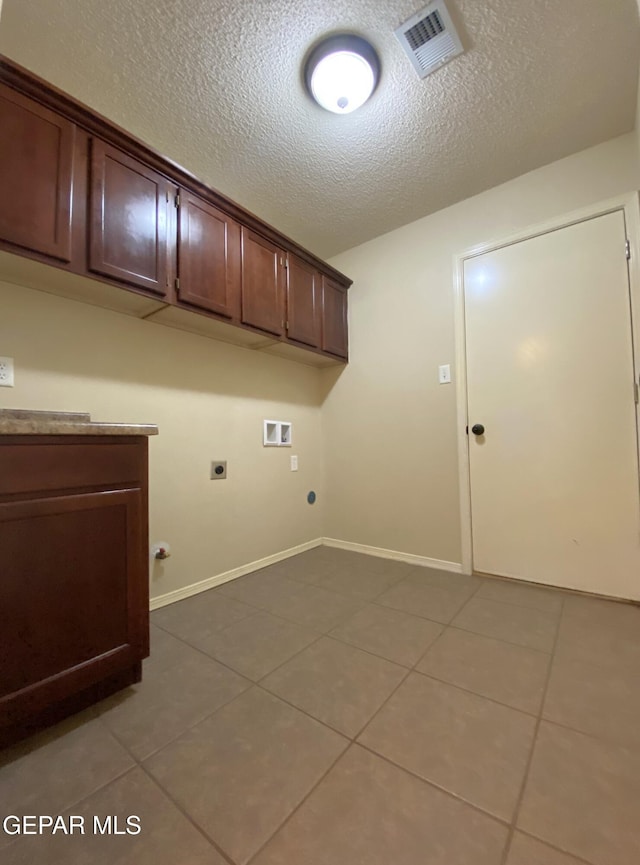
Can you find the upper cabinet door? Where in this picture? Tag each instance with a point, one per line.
(335, 338)
(208, 257)
(262, 283)
(36, 171)
(303, 302)
(128, 220)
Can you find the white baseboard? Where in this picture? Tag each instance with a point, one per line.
(422, 561)
(210, 582)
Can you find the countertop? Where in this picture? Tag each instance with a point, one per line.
(24, 422)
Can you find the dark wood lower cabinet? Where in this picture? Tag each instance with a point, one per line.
(74, 597)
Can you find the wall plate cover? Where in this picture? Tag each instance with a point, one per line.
(218, 470)
(6, 372)
(444, 373)
(276, 433)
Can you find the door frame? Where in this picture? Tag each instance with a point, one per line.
(629, 205)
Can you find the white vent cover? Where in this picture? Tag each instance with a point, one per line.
(429, 38)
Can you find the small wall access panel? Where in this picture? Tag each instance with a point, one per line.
(276, 433)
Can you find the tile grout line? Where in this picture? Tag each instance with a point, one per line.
(521, 606)
(188, 817)
(304, 712)
(299, 805)
(525, 778)
(475, 694)
(303, 624)
(603, 740)
(430, 783)
(566, 591)
(524, 606)
(500, 639)
(232, 669)
(295, 655)
(140, 760)
(578, 859)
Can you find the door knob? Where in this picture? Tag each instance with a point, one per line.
(477, 429)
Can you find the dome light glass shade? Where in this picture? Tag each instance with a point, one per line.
(342, 73)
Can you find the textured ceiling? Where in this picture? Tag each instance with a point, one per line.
(217, 86)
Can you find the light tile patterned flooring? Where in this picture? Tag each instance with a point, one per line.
(339, 709)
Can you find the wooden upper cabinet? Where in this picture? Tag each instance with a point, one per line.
(335, 338)
(208, 257)
(79, 194)
(262, 283)
(127, 219)
(36, 176)
(303, 302)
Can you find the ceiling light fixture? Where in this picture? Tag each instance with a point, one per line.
(342, 72)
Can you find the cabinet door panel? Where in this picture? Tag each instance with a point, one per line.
(208, 257)
(128, 227)
(36, 171)
(303, 290)
(334, 318)
(71, 569)
(262, 283)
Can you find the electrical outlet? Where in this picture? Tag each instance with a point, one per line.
(219, 470)
(6, 372)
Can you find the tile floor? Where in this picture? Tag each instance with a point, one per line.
(339, 709)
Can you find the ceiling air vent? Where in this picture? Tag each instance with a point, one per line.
(429, 38)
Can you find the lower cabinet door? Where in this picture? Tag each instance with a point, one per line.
(73, 582)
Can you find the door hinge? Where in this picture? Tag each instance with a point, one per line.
(176, 200)
(177, 284)
(286, 325)
(636, 393)
(627, 249)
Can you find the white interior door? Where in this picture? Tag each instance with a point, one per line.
(554, 479)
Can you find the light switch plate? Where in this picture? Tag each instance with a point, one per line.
(444, 373)
(294, 463)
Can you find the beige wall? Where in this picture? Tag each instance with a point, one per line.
(637, 129)
(209, 400)
(389, 427)
(383, 429)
